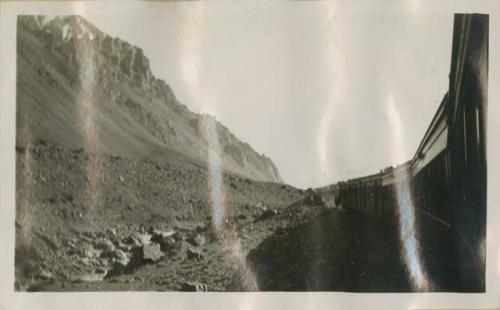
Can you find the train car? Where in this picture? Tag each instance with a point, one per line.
(467, 110)
(446, 177)
(431, 179)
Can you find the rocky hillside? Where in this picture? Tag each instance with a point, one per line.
(148, 227)
(80, 87)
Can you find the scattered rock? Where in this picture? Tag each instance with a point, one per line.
(45, 275)
(194, 254)
(311, 197)
(152, 230)
(125, 247)
(180, 236)
(202, 227)
(242, 217)
(144, 238)
(158, 235)
(85, 261)
(266, 214)
(132, 241)
(90, 252)
(103, 261)
(280, 230)
(111, 231)
(166, 241)
(197, 240)
(90, 277)
(194, 286)
(104, 244)
(151, 252)
(121, 257)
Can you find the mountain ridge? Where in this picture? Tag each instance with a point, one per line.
(72, 71)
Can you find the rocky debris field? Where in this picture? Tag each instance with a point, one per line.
(98, 222)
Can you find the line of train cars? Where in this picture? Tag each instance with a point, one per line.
(446, 178)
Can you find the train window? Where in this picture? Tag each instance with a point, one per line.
(465, 138)
(446, 166)
(449, 166)
(478, 139)
(363, 201)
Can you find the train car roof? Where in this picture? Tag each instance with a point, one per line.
(436, 120)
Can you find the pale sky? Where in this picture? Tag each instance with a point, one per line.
(327, 92)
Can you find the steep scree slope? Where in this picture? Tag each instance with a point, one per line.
(80, 87)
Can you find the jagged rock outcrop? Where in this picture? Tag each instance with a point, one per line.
(79, 86)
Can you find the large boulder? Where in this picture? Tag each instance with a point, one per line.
(197, 240)
(165, 239)
(151, 252)
(194, 286)
(311, 197)
(266, 214)
(194, 254)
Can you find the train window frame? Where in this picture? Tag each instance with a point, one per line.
(478, 134)
(465, 137)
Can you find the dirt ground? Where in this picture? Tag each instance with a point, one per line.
(88, 222)
(85, 222)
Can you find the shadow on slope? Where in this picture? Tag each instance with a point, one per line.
(354, 252)
(338, 251)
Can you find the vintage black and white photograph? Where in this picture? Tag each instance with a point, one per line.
(254, 149)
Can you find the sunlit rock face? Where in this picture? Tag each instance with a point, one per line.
(123, 90)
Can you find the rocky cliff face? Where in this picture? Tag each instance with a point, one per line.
(81, 87)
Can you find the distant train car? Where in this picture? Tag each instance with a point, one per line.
(446, 178)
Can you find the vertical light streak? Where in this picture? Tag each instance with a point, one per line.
(89, 130)
(335, 65)
(191, 47)
(191, 63)
(498, 253)
(25, 198)
(209, 127)
(88, 110)
(405, 204)
(414, 7)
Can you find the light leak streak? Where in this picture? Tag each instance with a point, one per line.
(215, 171)
(335, 64)
(190, 50)
(26, 198)
(191, 47)
(87, 111)
(498, 253)
(230, 242)
(191, 63)
(406, 207)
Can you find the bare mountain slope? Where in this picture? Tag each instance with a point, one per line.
(80, 87)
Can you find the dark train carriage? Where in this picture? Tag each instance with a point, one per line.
(447, 175)
(391, 178)
(430, 167)
(374, 194)
(364, 194)
(448, 170)
(467, 129)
